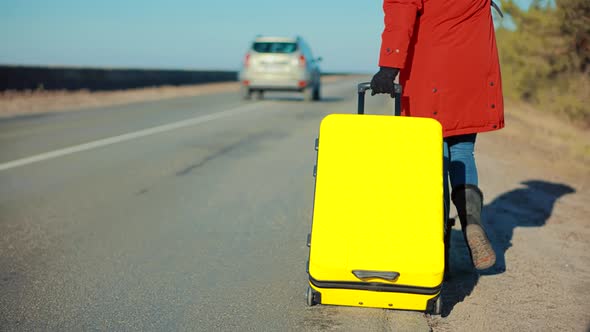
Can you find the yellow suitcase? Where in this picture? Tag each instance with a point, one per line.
(377, 230)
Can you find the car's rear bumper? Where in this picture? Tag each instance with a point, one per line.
(273, 86)
(278, 82)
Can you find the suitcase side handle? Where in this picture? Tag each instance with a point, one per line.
(364, 86)
(385, 275)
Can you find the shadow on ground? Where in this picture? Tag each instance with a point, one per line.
(527, 206)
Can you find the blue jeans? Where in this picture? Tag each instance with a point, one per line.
(459, 164)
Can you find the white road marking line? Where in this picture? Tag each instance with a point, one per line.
(125, 137)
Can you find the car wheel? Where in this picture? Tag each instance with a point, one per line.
(259, 94)
(246, 93)
(316, 93)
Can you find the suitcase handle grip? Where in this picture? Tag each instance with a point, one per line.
(364, 86)
(364, 274)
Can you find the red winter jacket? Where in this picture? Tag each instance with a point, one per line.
(449, 62)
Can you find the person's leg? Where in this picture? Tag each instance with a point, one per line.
(458, 165)
(468, 199)
(462, 168)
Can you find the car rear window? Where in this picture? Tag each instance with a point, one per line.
(274, 47)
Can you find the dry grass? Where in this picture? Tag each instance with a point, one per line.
(14, 103)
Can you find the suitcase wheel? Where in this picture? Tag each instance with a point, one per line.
(312, 297)
(437, 310)
(434, 306)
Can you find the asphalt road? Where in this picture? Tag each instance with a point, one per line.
(181, 214)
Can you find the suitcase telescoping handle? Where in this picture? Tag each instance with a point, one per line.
(363, 87)
(385, 275)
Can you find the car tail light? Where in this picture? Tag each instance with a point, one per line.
(246, 82)
(247, 60)
(302, 60)
(302, 84)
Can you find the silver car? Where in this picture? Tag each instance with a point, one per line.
(280, 64)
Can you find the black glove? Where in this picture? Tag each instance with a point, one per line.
(382, 82)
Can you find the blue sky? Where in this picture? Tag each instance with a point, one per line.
(184, 34)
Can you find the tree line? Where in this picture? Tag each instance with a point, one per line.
(545, 56)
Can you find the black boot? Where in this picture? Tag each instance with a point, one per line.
(468, 200)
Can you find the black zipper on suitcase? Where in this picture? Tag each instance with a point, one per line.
(377, 287)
